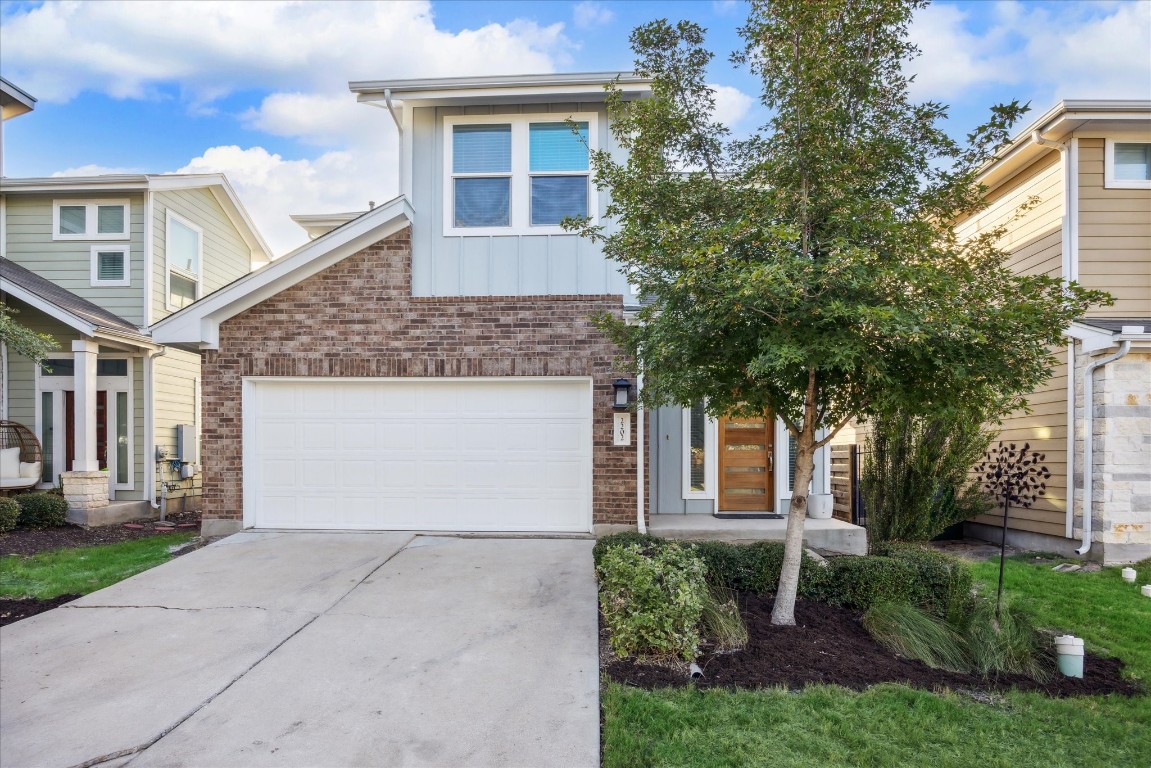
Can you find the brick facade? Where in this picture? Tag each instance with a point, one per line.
(359, 319)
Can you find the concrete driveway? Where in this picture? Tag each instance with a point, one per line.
(317, 649)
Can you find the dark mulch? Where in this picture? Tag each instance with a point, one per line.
(830, 645)
(25, 542)
(12, 610)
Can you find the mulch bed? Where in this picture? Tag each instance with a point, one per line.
(12, 610)
(24, 542)
(829, 645)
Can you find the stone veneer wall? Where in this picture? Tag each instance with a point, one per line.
(1121, 456)
(359, 318)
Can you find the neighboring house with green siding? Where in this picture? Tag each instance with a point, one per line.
(93, 261)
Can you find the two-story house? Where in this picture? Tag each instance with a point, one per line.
(92, 262)
(1084, 169)
(432, 364)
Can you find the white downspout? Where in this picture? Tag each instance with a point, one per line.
(640, 469)
(1089, 438)
(150, 425)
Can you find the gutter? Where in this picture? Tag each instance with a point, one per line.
(150, 424)
(1088, 439)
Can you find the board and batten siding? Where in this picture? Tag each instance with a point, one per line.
(513, 265)
(68, 263)
(1034, 241)
(226, 256)
(174, 390)
(1114, 237)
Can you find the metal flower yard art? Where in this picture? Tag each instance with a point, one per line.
(1012, 477)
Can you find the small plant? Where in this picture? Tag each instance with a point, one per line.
(912, 632)
(645, 541)
(652, 602)
(9, 513)
(42, 510)
(722, 622)
(1002, 639)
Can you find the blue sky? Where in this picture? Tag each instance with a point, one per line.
(258, 90)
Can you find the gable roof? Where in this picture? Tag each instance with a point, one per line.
(70, 309)
(14, 101)
(197, 326)
(216, 183)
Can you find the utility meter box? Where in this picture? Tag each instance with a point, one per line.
(187, 446)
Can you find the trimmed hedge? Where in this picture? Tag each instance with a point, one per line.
(939, 583)
(42, 510)
(9, 513)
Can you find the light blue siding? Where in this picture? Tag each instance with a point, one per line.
(666, 465)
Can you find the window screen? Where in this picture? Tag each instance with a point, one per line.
(110, 219)
(482, 149)
(556, 147)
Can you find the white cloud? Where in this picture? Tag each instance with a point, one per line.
(1070, 50)
(589, 14)
(723, 7)
(731, 104)
(95, 170)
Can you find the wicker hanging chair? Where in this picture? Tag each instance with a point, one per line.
(15, 435)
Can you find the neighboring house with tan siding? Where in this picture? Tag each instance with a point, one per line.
(93, 261)
(1084, 171)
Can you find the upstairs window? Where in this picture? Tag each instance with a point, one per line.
(110, 265)
(90, 219)
(516, 175)
(184, 248)
(1127, 164)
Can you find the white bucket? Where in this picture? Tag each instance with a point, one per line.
(820, 506)
(1070, 650)
(1128, 575)
(1146, 590)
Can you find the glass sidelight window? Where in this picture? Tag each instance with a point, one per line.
(697, 448)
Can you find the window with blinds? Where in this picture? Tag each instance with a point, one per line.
(482, 175)
(558, 167)
(110, 266)
(90, 219)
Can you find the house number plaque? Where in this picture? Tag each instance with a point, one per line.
(621, 428)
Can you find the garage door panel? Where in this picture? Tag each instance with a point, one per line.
(445, 454)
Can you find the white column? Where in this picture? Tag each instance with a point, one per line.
(85, 353)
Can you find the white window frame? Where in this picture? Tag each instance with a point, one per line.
(96, 251)
(710, 457)
(169, 269)
(90, 220)
(112, 385)
(520, 219)
(1109, 180)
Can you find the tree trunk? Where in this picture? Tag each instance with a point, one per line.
(783, 614)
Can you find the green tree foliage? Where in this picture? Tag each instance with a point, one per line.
(22, 340)
(811, 269)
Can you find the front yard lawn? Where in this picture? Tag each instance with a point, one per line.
(80, 570)
(893, 725)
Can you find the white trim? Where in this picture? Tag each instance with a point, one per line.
(3, 226)
(91, 207)
(47, 307)
(1072, 209)
(710, 457)
(1069, 516)
(198, 275)
(126, 250)
(249, 471)
(149, 254)
(520, 175)
(4, 379)
(1109, 180)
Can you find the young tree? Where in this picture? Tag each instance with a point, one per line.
(23, 340)
(811, 270)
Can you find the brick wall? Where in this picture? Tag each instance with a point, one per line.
(358, 318)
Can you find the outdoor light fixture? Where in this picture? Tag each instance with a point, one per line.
(621, 395)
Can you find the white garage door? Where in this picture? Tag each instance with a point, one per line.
(418, 454)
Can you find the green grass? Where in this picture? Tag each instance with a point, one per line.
(892, 725)
(80, 570)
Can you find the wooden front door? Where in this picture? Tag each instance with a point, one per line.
(746, 448)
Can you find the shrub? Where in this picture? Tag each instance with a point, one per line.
(1012, 646)
(42, 510)
(916, 634)
(9, 512)
(645, 541)
(861, 582)
(652, 602)
(944, 582)
(915, 482)
(722, 622)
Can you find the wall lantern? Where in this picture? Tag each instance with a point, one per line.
(621, 394)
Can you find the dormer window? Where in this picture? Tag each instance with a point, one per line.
(516, 175)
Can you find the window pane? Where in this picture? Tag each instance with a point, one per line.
(697, 420)
(184, 243)
(555, 147)
(46, 436)
(183, 291)
(1133, 162)
(64, 366)
(554, 197)
(110, 265)
(122, 462)
(482, 149)
(72, 220)
(792, 448)
(111, 367)
(483, 202)
(110, 219)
